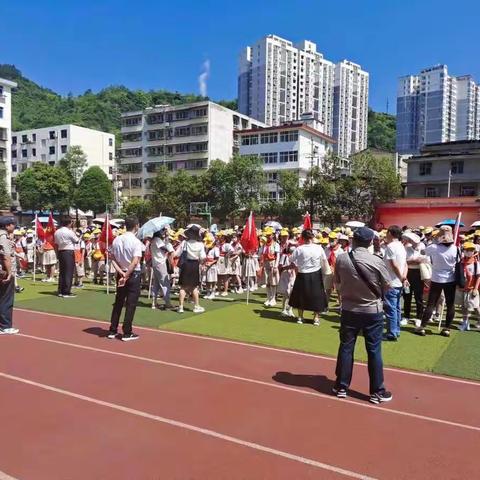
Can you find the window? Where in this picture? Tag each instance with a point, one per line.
(110, 142)
(51, 134)
(34, 152)
(24, 138)
(199, 130)
(456, 167)
(182, 148)
(34, 137)
(201, 112)
(63, 148)
(130, 122)
(52, 164)
(110, 170)
(63, 134)
(250, 140)
(289, 136)
(1, 89)
(182, 132)
(136, 183)
(271, 137)
(272, 177)
(14, 154)
(51, 150)
(110, 156)
(155, 151)
(1, 112)
(269, 157)
(289, 156)
(14, 140)
(24, 153)
(182, 115)
(431, 192)
(272, 195)
(425, 168)
(14, 167)
(468, 191)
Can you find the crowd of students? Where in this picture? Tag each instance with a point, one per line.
(293, 267)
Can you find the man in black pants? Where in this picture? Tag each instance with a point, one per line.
(65, 240)
(361, 279)
(126, 252)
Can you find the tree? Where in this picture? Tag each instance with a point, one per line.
(172, 194)
(5, 200)
(74, 163)
(381, 131)
(44, 187)
(235, 187)
(136, 207)
(290, 210)
(94, 191)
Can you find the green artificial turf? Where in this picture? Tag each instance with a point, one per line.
(457, 356)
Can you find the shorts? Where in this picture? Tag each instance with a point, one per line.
(79, 270)
(467, 301)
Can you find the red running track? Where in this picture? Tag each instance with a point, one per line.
(171, 406)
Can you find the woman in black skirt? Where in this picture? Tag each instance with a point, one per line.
(308, 291)
(191, 254)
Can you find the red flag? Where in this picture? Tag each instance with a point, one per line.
(106, 237)
(307, 222)
(456, 230)
(41, 235)
(249, 239)
(50, 231)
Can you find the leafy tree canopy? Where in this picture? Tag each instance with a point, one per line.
(94, 191)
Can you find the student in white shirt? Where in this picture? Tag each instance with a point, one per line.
(396, 262)
(162, 252)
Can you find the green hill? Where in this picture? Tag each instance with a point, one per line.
(35, 106)
(381, 131)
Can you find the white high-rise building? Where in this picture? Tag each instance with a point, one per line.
(6, 87)
(350, 109)
(435, 107)
(183, 137)
(279, 81)
(50, 144)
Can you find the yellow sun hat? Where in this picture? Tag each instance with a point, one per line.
(477, 233)
(326, 229)
(284, 232)
(296, 230)
(332, 235)
(469, 246)
(338, 229)
(427, 230)
(86, 236)
(268, 231)
(263, 239)
(17, 232)
(97, 231)
(324, 241)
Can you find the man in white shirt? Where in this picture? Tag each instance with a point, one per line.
(126, 254)
(65, 241)
(162, 251)
(396, 262)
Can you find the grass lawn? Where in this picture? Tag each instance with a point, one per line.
(233, 319)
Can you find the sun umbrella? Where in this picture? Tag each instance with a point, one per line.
(154, 225)
(449, 221)
(355, 224)
(475, 224)
(274, 225)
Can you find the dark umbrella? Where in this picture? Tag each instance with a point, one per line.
(449, 221)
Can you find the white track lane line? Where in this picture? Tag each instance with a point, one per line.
(257, 382)
(261, 347)
(193, 428)
(5, 476)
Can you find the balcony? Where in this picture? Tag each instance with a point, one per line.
(130, 168)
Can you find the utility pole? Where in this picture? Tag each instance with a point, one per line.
(313, 154)
(449, 182)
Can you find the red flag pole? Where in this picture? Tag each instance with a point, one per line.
(107, 263)
(35, 238)
(457, 228)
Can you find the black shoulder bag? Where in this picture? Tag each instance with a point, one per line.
(373, 288)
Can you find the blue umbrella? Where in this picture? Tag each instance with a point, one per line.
(154, 225)
(449, 221)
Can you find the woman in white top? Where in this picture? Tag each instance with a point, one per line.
(443, 256)
(161, 250)
(192, 254)
(308, 292)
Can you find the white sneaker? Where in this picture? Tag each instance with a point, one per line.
(464, 327)
(273, 303)
(403, 322)
(240, 291)
(285, 313)
(267, 303)
(290, 312)
(316, 322)
(180, 310)
(224, 294)
(300, 320)
(198, 309)
(263, 286)
(418, 323)
(9, 331)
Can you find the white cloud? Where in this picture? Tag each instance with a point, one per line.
(203, 77)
